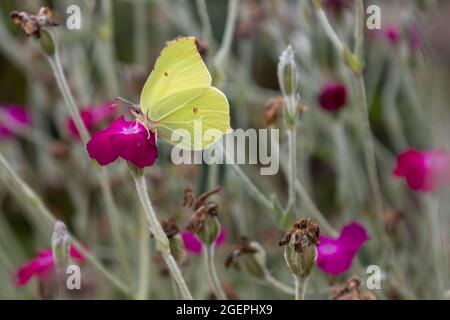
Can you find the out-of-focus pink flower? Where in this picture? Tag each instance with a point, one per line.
(92, 117)
(392, 33)
(13, 118)
(129, 140)
(333, 96)
(424, 171)
(41, 266)
(336, 6)
(414, 38)
(335, 256)
(193, 244)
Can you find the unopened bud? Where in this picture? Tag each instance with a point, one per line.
(300, 250)
(60, 244)
(288, 79)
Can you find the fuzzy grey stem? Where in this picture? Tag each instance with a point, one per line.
(162, 242)
(292, 174)
(211, 274)
(300, 287)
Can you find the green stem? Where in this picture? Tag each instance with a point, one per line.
(162, 242)
(292, 172)
(211, 273)
(300, 287)
(25, 195)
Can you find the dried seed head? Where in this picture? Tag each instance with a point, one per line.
(249, 256)
(302, 234)
(193, 202)
(274, 107)
(300, 250)
(204, 221)
(32, 24)
(350, 291)
(170, 227)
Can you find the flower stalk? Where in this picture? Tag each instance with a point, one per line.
(162, 242)
(211, 272)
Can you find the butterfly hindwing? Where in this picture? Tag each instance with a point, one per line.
(191, 113)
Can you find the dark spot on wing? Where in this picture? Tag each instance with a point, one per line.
(194, 110)
(166, 74)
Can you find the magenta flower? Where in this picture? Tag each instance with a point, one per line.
(13, 118)
(392, 33)
(424, 171)
(193, 244)
(414, 38)
(129, 140)
(337, 6)
(335, 255)
(41, 266)
(92, 117)
(333, 96)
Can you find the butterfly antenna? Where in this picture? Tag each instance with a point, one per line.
(128, 102)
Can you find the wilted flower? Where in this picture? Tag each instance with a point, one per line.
(32, 24)
(41, 266)
(204, 221)
(129, 140)
(350, 291)
(193, 244)
(300, 243)
(249, 256)
(92, 117)
(13, 119)
(333, 96)
(336, 255)
(424, 171)
(176, 244)
(274, 108)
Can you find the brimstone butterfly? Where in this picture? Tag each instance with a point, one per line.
(178, 96)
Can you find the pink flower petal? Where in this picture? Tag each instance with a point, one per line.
(424, 171)
(100, 149)
(191, 242)
(14, 118)
(41, 266)
(335, 256)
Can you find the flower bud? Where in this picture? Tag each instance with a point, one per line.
(60, 245)
(300, 243)
(249, 256)
(288, 80)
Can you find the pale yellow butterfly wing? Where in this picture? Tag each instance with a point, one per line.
(179, 67)
(189, 116)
